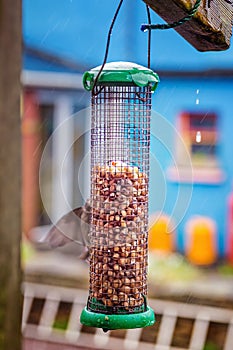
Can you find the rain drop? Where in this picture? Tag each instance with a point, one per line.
(198, 137)
(197, 99)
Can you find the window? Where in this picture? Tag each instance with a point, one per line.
(200, 135)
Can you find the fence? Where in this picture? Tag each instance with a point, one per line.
(52, 314)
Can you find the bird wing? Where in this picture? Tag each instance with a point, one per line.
(67, 229)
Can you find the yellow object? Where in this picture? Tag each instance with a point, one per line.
(201, 246)
(160, 236)
(28, 252)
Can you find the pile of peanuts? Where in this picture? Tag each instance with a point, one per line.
(118, 254)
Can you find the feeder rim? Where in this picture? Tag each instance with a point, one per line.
(126, 73)
(114, 321)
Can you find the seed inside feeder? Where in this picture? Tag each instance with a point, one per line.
(123, 263)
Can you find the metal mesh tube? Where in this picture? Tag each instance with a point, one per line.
(120, 144)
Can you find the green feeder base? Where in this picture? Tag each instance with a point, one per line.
(112, 321)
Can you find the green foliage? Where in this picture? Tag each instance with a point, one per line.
(61, 324)
(211, 346)
(226, 269)
(171, 267)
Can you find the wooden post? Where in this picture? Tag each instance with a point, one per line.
(209, 30)
(10, 175)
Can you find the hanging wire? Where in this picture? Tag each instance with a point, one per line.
(107, 47)
(149, 36)
(191, 13)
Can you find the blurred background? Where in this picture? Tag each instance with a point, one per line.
(191, 198)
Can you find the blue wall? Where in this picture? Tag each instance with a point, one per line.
(172, 97)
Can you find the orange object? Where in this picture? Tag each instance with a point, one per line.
(201, 245)
(31, 153)
(160, 236)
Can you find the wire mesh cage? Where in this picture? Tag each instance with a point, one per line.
(120, 146)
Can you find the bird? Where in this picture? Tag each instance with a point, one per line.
(72, 227)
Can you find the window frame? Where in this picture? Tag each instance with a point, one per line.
(203, 167)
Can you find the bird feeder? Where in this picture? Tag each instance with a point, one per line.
(120, 146)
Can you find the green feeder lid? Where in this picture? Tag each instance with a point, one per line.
(121, 72)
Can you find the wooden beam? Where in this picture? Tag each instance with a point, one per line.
(209, 30)
(10, 175)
